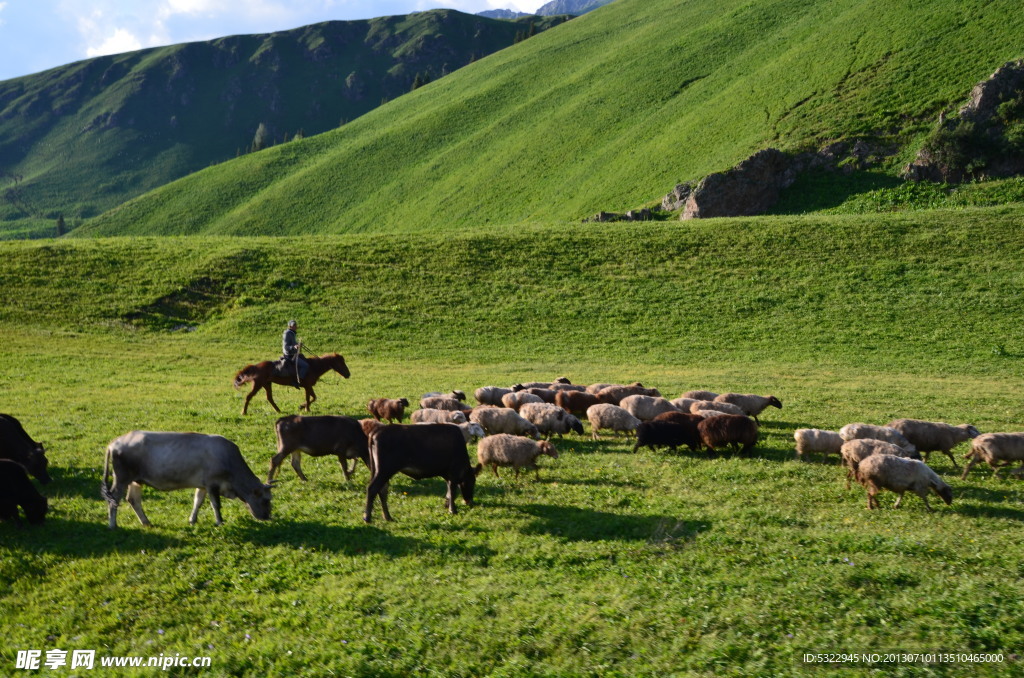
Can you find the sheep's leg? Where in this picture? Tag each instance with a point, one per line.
(899, 500)
(924, 497)
(968, 467)
(871, 498)
(949, 453)
(494, 467)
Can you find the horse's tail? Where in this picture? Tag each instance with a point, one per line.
(245, 375)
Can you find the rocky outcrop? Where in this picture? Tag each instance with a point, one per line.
(632, 215)
(973, 143)
(749, 188)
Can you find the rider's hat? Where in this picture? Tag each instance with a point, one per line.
(293, 323)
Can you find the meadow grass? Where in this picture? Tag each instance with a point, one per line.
(612, 562)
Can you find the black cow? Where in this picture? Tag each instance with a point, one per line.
(18, 446)
(17, 490)
(342, 437)
(419, 451)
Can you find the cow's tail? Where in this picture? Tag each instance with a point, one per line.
(105, 485)
(245, 375)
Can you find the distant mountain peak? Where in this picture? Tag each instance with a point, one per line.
(576, 7)
(503, 14)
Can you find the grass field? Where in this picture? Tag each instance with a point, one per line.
(612, 563)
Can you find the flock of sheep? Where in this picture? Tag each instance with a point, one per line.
(509, 423)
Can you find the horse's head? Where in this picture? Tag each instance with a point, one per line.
(337, 363)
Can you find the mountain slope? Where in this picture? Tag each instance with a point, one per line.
(574, 7)
(607, 111)
(89, 135)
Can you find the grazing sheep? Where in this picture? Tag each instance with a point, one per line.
(888, 434)
(518, 399)
(656, 433)
(471, 430)
(997, 449)
(704, 414)
(390, 409)
(594, 389)
(683, 404)
(646, 408)
(931, 436)
(855, 451)
(728, 429)
(700, 406)
(680, 417)
(613, 417)
(550, 419)
(509, 450)
(555, 386)
(817, 440)
(457, 394)
(496, 420)
(886, 472)
(434, 416)
(545, 394)
(613, 395)
(539, 384)
(752, 405)
(444, 403)
(574, 402)
(490, 395)
(700, 395)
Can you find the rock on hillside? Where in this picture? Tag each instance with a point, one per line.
(749, 188)
(576, 7)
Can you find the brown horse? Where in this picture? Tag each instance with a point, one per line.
(262, 376)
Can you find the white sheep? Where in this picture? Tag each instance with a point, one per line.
(496, 420)
(887, 472)
(490, 395)
(456, 394)
(817, 440)
(519, 398)
(855, 451)
(931, 436)
(859, 431)
(700, 395)
(997, 449)
(514, 451)
(444, 403)
(645, 407)
(613, 417)
(550, 419)
(435, 416)
(700, 406)
(751, 404)
(471, 430)
(683, 404)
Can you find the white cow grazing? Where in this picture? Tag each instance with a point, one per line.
(175, 461)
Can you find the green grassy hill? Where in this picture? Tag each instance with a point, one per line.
(88, 136)
(607, 111)
(613, 563)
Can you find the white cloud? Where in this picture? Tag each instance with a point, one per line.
(120, 41)
(2, 5)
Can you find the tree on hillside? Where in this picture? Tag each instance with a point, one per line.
(61, 228)
(260, 139)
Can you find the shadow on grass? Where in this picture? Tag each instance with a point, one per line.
(343, 539)
(976, 511)
(820, 189)
(578, 524)
(83, 540)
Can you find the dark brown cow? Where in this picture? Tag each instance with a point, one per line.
(342, 437)
(419, 451)
(19, 447)
(17, 490)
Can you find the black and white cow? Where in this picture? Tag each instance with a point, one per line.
(17, 490)
(176, 461)
(419, 451)
(18, 446)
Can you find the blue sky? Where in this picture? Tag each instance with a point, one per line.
(39, 34)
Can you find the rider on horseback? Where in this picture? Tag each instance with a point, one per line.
(291, 349)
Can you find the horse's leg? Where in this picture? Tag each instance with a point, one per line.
(270, 397)
(310, 397)
(255, 387)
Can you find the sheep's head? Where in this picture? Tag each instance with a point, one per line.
(562, 380)
(459, 395)
(774, 402)
(546, 447)
(575, 424)
(946, 492)
(404, 402)
(971, 431)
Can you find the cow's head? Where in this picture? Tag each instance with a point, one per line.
(258, 502)
(36, 464)
(467, 483)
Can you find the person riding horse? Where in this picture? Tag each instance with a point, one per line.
(291, 349)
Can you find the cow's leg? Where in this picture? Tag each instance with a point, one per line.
(134, 498)
(114, 497)
(196, 503)
(378, 487)
(270, 396)
(297, 464)
(215, 503)
(275, 463)
(449, 500)
(384, 501)
(344, 467)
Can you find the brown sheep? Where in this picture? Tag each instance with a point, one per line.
(728, 429)
(390, 409)
(613, 395)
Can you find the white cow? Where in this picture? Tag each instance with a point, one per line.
(175, 461)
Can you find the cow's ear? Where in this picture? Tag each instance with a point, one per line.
(477, 469)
